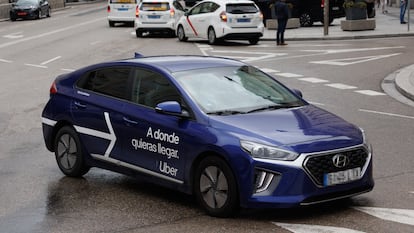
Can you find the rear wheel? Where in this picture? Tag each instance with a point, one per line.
(181, 34)
(39, 14)
(138, 33)
(68, 153)
(211, 34)
(48, 13)
(215, 187)
(111, 24)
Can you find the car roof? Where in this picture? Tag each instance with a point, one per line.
(220, 2)
(182, 62)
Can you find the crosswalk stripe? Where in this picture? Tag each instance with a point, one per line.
(304, 228)
(404, 216)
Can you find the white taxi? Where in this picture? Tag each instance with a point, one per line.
(217, 20)
(121, 11)
(158, 16)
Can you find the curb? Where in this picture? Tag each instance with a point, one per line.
(404, 82)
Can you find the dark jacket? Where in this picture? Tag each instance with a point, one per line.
(281, 10)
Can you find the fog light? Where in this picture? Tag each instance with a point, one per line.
(265, 182)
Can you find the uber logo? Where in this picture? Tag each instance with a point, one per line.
(167, 169)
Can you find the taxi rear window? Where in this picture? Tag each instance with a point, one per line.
(123, 1)
(155, 6)
(241, 8)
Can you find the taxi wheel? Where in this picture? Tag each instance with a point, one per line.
(215, 187)
(253, 41)
(111, 24)
(211, 34)
(139, 33)
(181, 34)
(68, 153)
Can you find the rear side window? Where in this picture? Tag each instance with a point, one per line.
(155, 6)
(110, 81)
(241, 8)
(123, 1)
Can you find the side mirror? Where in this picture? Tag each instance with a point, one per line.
(298, 93)
(171, 108)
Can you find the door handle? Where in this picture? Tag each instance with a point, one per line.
(79, 105)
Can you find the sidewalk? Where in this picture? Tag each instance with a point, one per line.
(387, 25)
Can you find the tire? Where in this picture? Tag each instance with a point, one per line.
(305, 20)
(39, 14)
(111, 24)
(138, 33)
(48, 12)
(215, 187)
(12, 18)
(253, 41)
(181, 34)
(211, 35)
(69, 154)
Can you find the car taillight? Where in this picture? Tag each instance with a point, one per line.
(223, 16)
(137, 12)
(172, 12)
(322, 3)
(53, 89)
(108, 9)
(261, 15)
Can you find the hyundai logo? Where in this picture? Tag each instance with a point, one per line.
(340, 160)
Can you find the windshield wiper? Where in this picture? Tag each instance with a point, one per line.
(226, 112)
(276, 106)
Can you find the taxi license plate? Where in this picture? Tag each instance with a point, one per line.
(154, 16)
(341, 176)
(123, 9)
(243, 20)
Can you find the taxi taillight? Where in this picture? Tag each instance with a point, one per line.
(108, 9)
(53, 88)
(322, 3)
(223, 16)
(137, 12)
(172, 12)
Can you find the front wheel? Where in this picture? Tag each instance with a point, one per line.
(215, 187)
(48, 12)
(305, 20)
(68, 153)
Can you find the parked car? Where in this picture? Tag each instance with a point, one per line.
(158, 16)
(29, 9)
(216, 128)
(308, 11)
(121, 11)
(217, 20)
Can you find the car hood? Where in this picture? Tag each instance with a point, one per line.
(304, 129)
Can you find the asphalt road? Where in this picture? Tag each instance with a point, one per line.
(341, 76)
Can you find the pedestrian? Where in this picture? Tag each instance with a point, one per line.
(403, 9)
(282, 15)
(384, 4)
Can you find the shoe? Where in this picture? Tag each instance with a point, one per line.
(403, 22)
(283, 43)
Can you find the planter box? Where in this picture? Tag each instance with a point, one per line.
(355, 13)
(358, 25)
(291, 23)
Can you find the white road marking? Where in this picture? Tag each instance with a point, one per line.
(289, 75)
(331, 51)
(370, 92)
(49, 33)
(204, 46)
(38, 66)
(15, 35)
(353, 60)
(314, 80)
(257, 55)
(95, 42)
(50, 60)
(6, 61)
(386, 113)
(267, 70)
(403, 216)
(340, 86)
(304, 228)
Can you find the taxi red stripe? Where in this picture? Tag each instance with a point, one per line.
(191, 25)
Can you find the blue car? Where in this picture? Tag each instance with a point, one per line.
(216, 128)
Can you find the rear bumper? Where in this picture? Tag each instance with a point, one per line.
(240, 33)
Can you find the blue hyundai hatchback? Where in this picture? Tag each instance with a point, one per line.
(214, 127)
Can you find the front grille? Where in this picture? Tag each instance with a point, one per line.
(320, 164)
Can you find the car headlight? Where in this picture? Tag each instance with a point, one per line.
(257, 150)
(366, 142)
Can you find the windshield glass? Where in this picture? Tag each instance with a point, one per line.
(235, 90)
(26, 2)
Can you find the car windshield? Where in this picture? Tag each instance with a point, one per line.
(241, 8)
(26, 2)
(235, 90)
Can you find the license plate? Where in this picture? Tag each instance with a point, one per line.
(154, 16)
(341, 176)
(21, 13)
(123, 9)
(243, 20)
(335, 8)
